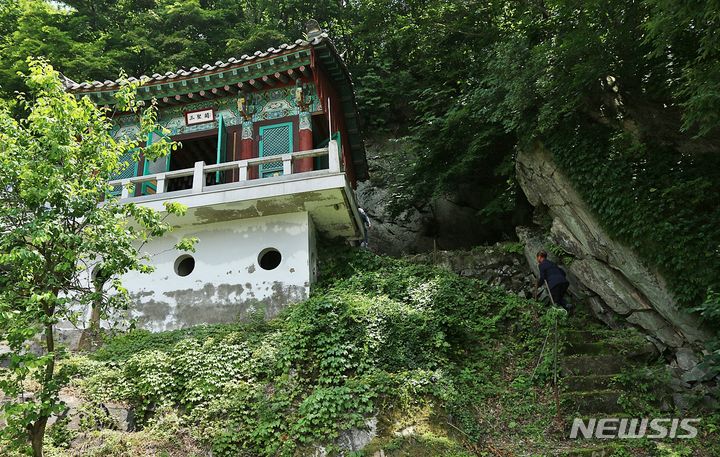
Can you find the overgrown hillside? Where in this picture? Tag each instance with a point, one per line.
(436, 364)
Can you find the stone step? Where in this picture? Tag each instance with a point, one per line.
(592, 348)
(584, 365)
(586, 403)
(636, 351)
(587, 334)
(587, 382)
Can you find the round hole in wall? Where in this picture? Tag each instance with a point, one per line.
(184, 265)
(269, 259)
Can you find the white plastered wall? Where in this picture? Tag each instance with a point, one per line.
(227, 282)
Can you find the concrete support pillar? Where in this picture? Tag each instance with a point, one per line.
(305, 143)
(247, 147)
(334, 156)
(198, 177)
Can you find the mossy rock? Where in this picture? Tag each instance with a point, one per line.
(595, 451)
(425, 445)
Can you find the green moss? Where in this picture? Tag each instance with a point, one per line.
(513, 247)
(422, 445)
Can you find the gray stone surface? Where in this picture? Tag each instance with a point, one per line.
(352, 440)
(393, 235)
(686, 359)
(654, 324)
(446, 222)
(5, 353)
(494, 264)
(356, 439)
(697, 374)
(603, 266)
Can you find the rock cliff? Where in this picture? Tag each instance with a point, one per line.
(616, 283)
(446, 222)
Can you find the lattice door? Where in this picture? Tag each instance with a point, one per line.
(152, 167)
(274, 140)
(127, 172)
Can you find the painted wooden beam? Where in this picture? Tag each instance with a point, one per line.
(269, 81)
(282, 78)
(255, 83)
(305, 71)
(225, 90)
(294, 74)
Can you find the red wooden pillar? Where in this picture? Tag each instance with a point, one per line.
(247, 147)
(305, 143)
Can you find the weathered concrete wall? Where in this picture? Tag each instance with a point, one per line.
(227, 282)
(612, 272)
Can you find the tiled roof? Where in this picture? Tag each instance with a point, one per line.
(182, 73)
(101, 90)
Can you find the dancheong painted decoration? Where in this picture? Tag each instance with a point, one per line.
(270, 155)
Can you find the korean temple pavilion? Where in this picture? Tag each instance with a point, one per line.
(271, 153)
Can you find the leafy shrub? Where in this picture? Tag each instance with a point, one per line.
(59, 435)
(123, 346)
(377, 333)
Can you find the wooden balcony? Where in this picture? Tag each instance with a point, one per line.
(325, 194)
(201, 171)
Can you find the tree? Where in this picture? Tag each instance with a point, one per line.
(59, 221)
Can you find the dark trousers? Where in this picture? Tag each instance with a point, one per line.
(558, 294)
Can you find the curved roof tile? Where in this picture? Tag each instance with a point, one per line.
(205, 68)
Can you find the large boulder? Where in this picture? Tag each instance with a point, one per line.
(393, 234)
(446, 222)
(601, 267)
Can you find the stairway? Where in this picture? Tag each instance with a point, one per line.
(593, 357)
